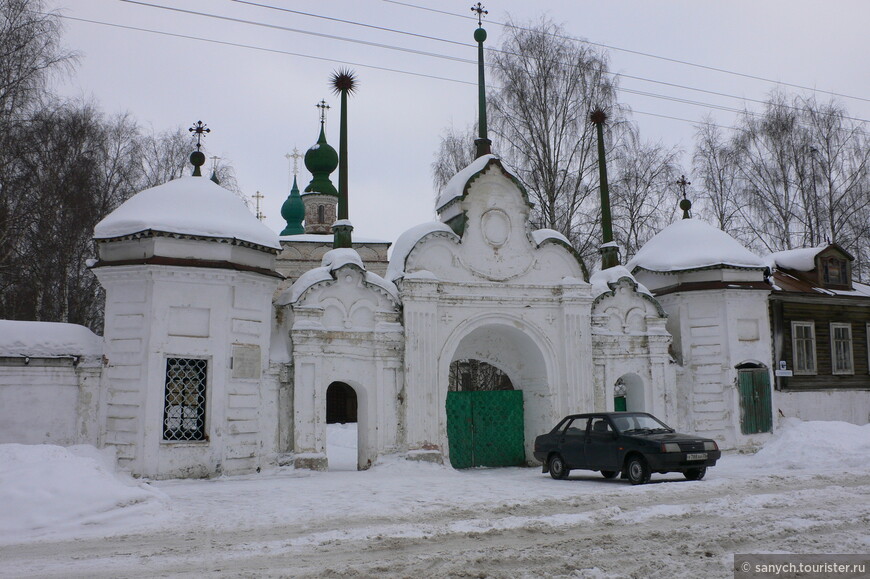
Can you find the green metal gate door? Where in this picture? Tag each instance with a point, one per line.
(485, 428)
(754, 401)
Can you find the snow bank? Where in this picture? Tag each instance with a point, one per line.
(47, 488)
(191, 206)
(816, 445)
(692, 244)
(47, 339)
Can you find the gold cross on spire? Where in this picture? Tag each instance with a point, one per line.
(480, 13)
(323, 108)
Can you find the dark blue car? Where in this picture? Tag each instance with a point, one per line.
(636, 444)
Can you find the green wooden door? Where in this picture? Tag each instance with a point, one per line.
(755, 407)
(485, 428)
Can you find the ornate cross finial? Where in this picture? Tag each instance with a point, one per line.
(257, 196)
(214, 160)
(294, 156)
(480, 13)
(683, 183)
(323, 108)
(201, 130)
(685, 204)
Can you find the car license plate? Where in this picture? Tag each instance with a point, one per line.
(697, 456)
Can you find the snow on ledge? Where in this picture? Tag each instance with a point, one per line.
(333, 260)
(188, 206)
(47, 339)
(539, 236)
(601, 280)
(406, 243)
(456, 186)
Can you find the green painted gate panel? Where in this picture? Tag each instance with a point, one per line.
(756, 415)
(460, 433)
(486, 428)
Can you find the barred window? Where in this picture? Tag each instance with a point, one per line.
(184, 400)
(841, 349)
(803, 339)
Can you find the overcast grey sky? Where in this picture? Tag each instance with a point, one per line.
(260, 102)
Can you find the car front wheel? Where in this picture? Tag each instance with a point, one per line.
(558, 469)
(695, 473)
(609, 473)
(638, 470)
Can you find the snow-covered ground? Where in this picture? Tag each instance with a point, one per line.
(66, 513)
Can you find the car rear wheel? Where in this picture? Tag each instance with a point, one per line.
(638, 470)
(609, 473)
(695, 473)
(558, 469)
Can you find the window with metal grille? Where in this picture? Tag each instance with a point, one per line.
(803, 339)
(184, 400)
(841, 349)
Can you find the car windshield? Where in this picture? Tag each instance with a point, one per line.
(640, 423)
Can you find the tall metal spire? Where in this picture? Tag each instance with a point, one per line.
(609, 250)
(482, 144)
(343, 83)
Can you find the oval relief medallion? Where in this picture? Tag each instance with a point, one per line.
(496, 227)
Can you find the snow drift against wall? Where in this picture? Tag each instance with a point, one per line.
(47, 339)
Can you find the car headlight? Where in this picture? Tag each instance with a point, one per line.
(710, 445)
(670, 447)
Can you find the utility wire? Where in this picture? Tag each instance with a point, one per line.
(638, 52)
(501, 51)
(442, 56)
(386, 69)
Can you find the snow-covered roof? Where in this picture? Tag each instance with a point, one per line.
(333, 260)
(406, 243)
(803, 259)
(326, 238)
(456, 186)
(190, 206)
(47, 339)
(601, 280)
(693, 244)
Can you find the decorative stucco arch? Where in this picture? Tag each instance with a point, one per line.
(517, 348)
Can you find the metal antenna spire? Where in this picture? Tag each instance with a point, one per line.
(483, 146)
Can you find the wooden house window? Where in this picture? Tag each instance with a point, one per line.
(841, 349)
(803, 340)
(834, 271)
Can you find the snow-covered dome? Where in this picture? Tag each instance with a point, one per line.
(693, 244)
(188, 206)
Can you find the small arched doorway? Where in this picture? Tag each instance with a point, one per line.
(629, 394)
(342, 434)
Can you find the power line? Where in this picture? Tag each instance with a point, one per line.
(263, 49)
(501, 51)
(430, 54)
(640, 53)
(386, 69)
